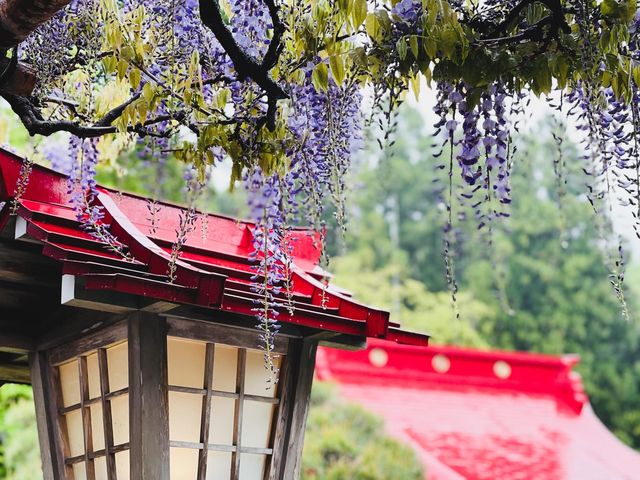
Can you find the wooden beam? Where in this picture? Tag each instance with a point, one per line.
(24, 297)
(85, 411)
(14, 373)
(205, 331)
(107, 417)
(302, 359)
(237, 418)
(16, 343)
(238, 321)
(66, 324)
(148, 397)
(205, 419)
(286, 384)
(20, 264)
(90, 340)
(73, 294)
(46, 398)
(345, 342)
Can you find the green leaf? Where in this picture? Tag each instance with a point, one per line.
(448, 42)
(336, 62)
(636, 75)
(110, 63)
(134, 77)
(430, 47)
(414, 81)
(562, 67)
(148, 92)
(623, 10)
(359, 57)
(401, 47)
(542, 77)
(320, 77)
(413, 43)
(383, 19)
(359, 12)
(372, 26)
(122, 69)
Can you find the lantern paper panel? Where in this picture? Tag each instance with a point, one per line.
(95, 406)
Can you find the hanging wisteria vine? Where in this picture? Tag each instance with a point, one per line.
(278, 87)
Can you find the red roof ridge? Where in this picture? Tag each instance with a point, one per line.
(542, 374)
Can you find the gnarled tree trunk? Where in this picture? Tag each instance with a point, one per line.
(18, 18)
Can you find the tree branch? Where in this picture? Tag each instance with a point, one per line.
(35, 124)
(245, 65)
(15, 77)
(556, 18)
(115, 113)
(18, 19)
(535, 32)
(275, 47)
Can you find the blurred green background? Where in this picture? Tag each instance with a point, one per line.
(535, 281)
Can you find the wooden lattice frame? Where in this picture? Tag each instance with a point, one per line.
(149, 438)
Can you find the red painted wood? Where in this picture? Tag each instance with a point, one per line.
(215, 271)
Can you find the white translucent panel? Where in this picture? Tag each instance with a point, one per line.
(185, 360)
(122, 465)
(75, 433)
(252, 466)
(225, 366)
(118, 366)
(218, 465)
(120, 418)
(256, 376)
(69, 383)
(97, 427)
(100, 465)
(256, 424)
(185, 414)
(184, 463)
(79, 471)
(221, 420)
(93, 372)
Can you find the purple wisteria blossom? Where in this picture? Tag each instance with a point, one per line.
(271, 259)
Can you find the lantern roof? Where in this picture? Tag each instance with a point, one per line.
(482, 415)
(130, 255)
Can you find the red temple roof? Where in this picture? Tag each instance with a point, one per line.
(214, 269)
(483, 415)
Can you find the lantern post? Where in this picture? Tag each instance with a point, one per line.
(140, 376)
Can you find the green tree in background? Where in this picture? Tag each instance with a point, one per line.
(344, 442)
(553, 282)
(557, 286)
(551, 291)
(19, 451)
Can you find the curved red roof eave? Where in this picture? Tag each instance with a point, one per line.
(483, 415)
(214, 269)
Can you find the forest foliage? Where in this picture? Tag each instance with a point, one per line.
(547, 292)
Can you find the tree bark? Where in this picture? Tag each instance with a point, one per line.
(18, 18)
(21, 81)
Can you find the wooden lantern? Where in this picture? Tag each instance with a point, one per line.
(140, 376)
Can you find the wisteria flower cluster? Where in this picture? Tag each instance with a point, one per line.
(278, 87)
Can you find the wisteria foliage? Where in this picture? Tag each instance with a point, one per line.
(282, 96)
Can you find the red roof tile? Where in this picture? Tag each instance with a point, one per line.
(214, 269)
(478, 415)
